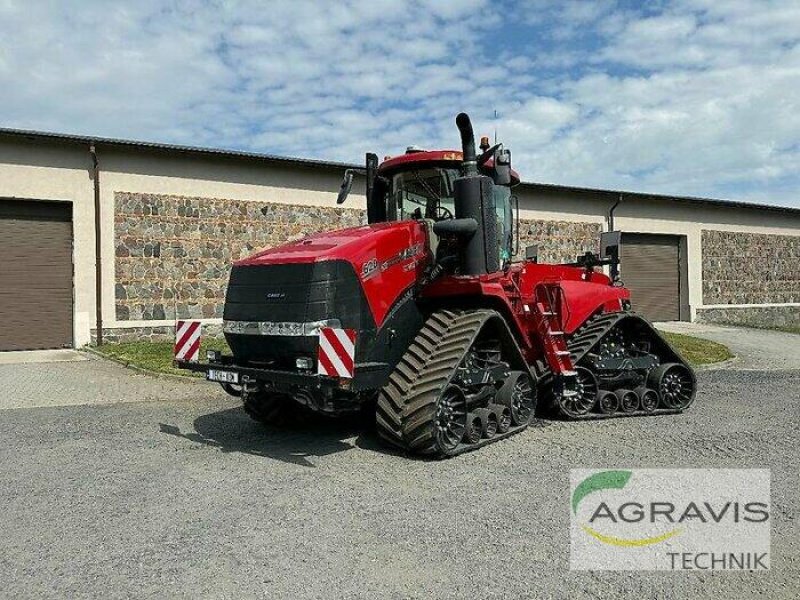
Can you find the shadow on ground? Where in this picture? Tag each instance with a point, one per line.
(231, 430)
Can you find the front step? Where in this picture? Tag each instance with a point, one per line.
(548, 297)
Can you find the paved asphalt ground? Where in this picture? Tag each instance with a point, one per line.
(152, 488)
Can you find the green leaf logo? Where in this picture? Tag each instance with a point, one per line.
(599, 481)
(616, 480)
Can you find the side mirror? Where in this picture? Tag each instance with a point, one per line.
(609, 244)
(532, 254)
(502, 167)
(609, 249)
(344, 189)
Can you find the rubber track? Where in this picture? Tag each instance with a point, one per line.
(584, 339)
(407, 403)
(590, 333)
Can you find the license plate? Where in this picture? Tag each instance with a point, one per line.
(222, 376)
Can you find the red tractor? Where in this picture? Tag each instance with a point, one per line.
(424, 315)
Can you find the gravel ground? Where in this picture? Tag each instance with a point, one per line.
(188, 498)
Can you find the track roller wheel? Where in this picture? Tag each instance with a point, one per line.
(648, 399)
(450, 418)
(607, 402)
(503, 415)
(518, 393)
(488, 422)
(474, 429)
(628, 400)
(674, 383)
(582, 401)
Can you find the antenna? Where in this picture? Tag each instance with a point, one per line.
(495, 125)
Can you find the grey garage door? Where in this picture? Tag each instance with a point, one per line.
(35, 275)
(650, 268)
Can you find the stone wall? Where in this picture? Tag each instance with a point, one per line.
(558, 241)
(173, 253)
(151, 334)
(764, 316)
(750, 268)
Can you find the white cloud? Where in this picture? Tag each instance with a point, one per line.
(698, 97)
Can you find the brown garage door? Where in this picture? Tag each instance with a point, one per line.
(650, 269)
(35, 275)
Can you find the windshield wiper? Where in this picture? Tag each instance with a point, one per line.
(426, 185)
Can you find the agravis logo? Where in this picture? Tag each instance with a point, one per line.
(611, 480)
(670, 519)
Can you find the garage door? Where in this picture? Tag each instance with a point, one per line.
(650, 269)
(35, 275)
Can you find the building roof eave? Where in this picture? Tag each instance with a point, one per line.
(43, 136)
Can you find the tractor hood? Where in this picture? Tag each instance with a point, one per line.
(352, 244)
(385, 260)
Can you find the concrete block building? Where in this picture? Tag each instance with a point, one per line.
(130, 236)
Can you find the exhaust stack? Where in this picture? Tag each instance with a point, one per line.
(469, 164)
(474, 199)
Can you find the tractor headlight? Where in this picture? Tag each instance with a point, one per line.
(304, 363)
(213, 355)
(232, 326)
(312, 328)
(278, 328)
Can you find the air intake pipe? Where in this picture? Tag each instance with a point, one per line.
(474, 199)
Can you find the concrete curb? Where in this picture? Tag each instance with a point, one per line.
(138, 369)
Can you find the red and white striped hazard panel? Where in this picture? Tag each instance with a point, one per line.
(337, 352)
(187, 340)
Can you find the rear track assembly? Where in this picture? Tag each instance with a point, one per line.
(619, 378)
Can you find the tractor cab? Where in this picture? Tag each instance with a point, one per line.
(419, 185)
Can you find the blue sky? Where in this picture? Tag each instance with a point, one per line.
(690, 97)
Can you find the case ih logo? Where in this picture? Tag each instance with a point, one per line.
(337, 351)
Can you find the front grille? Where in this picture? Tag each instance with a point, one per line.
(293, 293)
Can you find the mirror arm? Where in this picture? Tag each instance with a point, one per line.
(488, 154)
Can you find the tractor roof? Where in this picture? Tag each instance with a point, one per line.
(431, 158)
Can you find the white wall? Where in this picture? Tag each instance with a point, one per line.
(60, 171)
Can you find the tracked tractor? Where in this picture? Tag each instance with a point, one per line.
(425, 316)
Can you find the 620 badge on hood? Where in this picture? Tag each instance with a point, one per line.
(369, 268)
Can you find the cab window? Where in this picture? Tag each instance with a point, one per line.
(423, 194)
(505, 223)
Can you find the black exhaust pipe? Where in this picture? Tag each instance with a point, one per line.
(474, 203)
(469, 164)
